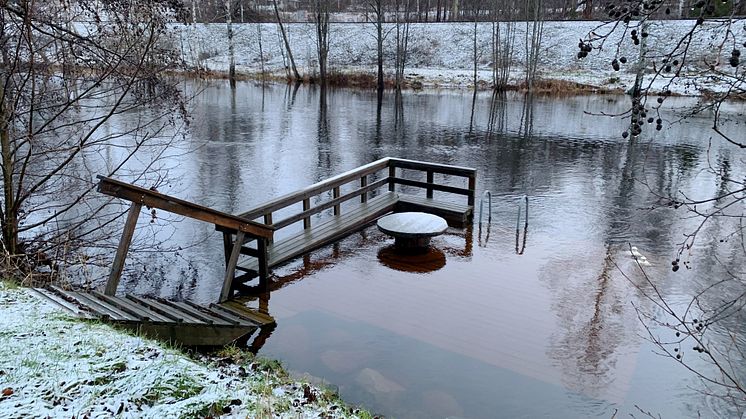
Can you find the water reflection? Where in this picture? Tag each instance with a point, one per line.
(429, 260)
(545, 332)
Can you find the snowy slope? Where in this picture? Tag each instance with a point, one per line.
(441, 54)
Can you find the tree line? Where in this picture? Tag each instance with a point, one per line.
(426, 11)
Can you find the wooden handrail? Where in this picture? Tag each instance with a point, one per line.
(435, 167)
(178, 206)
(360, 174)
(316, 189)
(329, 204)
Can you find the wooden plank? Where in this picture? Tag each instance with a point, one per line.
(221, 316)
(143, 311)
(316, 189)
(429, 202)
(435, 167)
(429, 186)
(328, 232)
(98, 306)
(217, 310)
(124, 245)
(329, 204)
(141, 314)
(176, 316)
(178, 305)
(168, 203)
(384, 202)
(230, 270)
(247, 315)
(49, 296)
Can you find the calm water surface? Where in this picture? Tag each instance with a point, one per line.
(548, 329)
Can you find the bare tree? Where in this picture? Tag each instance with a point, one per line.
(376, 7)
(231, 47)
(321, 19)
(503, 42)
(534, 11)
(690, 335)
(61, 84)
(402, 40)
(285, 41)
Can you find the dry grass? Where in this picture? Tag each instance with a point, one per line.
(554, 87)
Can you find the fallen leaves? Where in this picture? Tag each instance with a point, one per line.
(7, 392)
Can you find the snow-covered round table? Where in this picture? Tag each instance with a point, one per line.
(412, 230)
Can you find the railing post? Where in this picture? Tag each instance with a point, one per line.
(263, 264)
(230, 268)
(472, 188)
(306, 207)
(392, 176)
(364, 183)
(430, 180)
(335, 194)
(124, 246)
(268, 221)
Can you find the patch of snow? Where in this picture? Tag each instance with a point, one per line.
(442, 54)
(52, 365)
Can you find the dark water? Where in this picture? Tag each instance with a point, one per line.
(548, 329)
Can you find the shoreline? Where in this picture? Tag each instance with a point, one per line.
(441, 56)
(56, 365)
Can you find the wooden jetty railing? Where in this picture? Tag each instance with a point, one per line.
(367, 181)
(251, 234)
(140, 196)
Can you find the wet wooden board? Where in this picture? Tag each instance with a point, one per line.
(352, 221)
(180, 322)
(456, 215)
(328, 232)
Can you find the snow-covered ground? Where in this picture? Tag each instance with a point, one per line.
(442, 54)
(54, 366)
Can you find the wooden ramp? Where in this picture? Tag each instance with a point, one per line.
(180, 322)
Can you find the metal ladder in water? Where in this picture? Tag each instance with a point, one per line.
(519, 247)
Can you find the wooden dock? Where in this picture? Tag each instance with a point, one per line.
(180, 322)
(342, 205)
(373, 186)
(248, 238)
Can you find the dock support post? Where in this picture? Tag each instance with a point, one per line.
(268, 221)
(124, 246)
(230, 268)
(306, 220)
(472, 193)
(363, 184)
(430, 180)
(263, 264)
(335, 195)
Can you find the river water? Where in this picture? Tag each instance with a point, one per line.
(546, 326)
